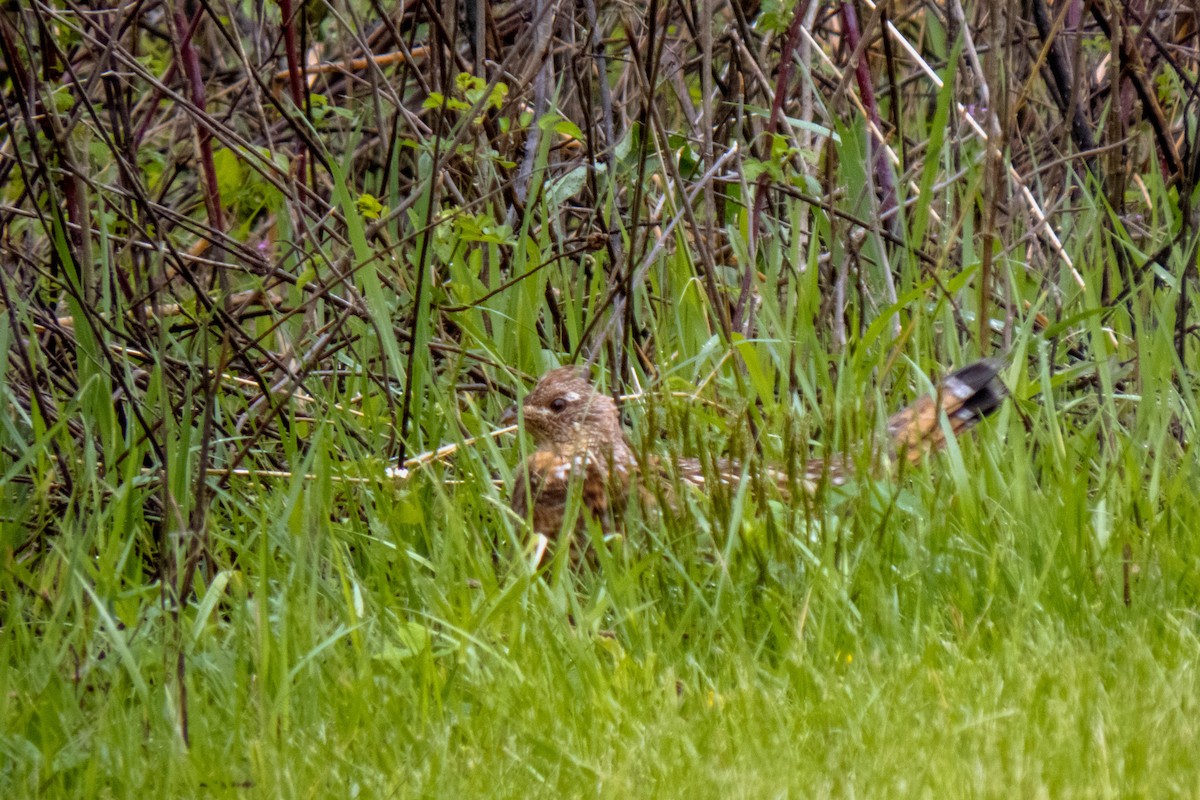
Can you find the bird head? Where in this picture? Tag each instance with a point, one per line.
(565, 409)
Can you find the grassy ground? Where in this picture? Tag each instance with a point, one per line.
(962, 631)
(211, 586)
(981, 651)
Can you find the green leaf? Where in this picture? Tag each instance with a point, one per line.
(754, 368)
(499, 94)
(566, 186)
(565, 127)
(369, 206)
(229, 171)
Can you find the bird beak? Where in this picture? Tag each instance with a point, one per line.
(509, 417)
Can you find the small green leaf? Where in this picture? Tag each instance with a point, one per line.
(369, 206)
(498, 95)
(565, 127)
(567, 186)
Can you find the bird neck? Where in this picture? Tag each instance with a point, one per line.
(599, 442)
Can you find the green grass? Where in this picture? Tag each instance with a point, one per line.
(960, 634)
(958, 631)
(1015, 617)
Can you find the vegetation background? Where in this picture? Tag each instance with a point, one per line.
(259, 262)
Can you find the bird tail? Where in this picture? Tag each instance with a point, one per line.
(965, 397)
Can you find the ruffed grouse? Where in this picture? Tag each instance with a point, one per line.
(578, 435)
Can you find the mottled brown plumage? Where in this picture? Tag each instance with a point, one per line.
(578, 437)
(578, 434)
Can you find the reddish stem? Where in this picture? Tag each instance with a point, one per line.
(866, 90)
(190, 63)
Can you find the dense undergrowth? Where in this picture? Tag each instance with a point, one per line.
(257, 265)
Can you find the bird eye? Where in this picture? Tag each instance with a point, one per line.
(558, 404)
